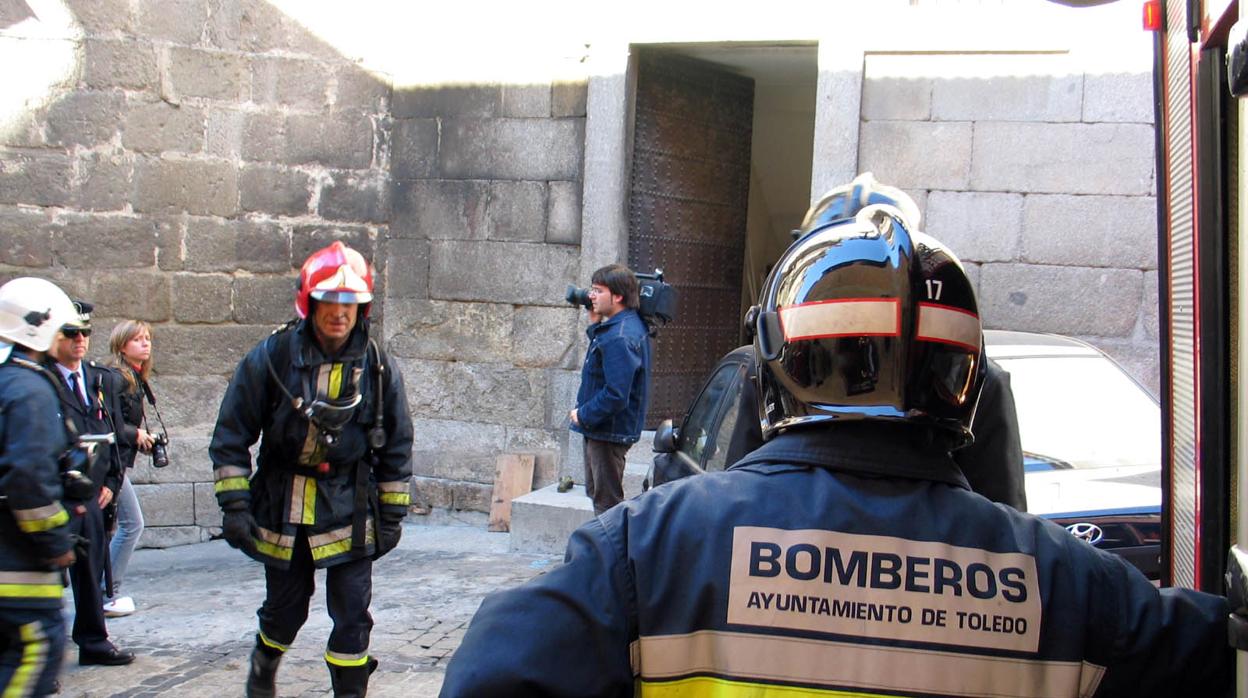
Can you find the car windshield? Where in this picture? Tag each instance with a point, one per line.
(1085, 411)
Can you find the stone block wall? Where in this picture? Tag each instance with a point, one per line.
(484, 240)
(179, 175)
(1039, 173)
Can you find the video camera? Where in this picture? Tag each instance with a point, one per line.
(77, 463)
(657, 299)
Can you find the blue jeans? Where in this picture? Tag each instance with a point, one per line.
(129, 528)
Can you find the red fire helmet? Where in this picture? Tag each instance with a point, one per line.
(337, 274)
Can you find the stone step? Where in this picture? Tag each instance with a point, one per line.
(542, 520)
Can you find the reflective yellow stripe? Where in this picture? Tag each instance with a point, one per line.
(34, 657)
(231, 484)
(30, 591)
(336, 542)
(60, 518)
(399, 498)
(711, 687)
(309, 502)
(771, 660)
(272, 550)
(270, 642)
(340, 659)
(342, 546)
(335, 381)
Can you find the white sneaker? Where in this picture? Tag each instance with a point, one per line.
(118, 607)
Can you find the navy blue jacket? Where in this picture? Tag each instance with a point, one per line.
(843, 559)
(615, 380)
(33, 522)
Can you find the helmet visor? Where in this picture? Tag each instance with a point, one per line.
(342, 296)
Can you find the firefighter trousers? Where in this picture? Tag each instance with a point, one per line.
(32, 644)
(348, 593)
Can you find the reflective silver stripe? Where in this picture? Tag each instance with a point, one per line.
(275, 538)
(30, 578)
(222, 472)
(938, 323)
(44, 512)
(847, 317)
(825, 663)
(329, 537)
(344, 659)
(393, 486)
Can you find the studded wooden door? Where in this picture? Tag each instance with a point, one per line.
(690, 186)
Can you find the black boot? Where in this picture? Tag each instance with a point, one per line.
(262, 678)
(351, 681)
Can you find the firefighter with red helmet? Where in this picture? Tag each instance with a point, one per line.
(331, 478)
(847, 555)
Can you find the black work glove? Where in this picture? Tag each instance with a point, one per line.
(388, 537)
(238, 527)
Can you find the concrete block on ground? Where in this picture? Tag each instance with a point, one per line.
(501, 272)
(977, 226)
(543, 520)
(1065, 300)
(1042, 158)
(514, 149)
(1093, 231)
(917, 154)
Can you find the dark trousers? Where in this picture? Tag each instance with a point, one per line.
(32, 644)
(604, 473)
(348, 592)
(90, 632)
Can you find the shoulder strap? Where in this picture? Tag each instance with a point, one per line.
(377, 434)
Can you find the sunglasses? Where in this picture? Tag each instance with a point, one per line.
(73, 333)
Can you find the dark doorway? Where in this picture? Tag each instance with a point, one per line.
(687, 208)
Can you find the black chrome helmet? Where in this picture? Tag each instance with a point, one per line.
(844, 202)
(863, 318)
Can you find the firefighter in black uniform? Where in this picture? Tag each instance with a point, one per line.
(90, 399)
(330, 488)
(847, 555)
(35, 542)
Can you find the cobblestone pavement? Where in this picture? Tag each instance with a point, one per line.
(196, 621)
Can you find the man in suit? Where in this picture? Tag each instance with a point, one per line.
(89, 398)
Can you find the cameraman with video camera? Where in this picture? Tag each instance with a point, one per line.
(615, 382)
(35, 541)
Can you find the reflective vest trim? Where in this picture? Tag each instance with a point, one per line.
(341, 659)
(41, 518)
(30, 666)
(801, 661)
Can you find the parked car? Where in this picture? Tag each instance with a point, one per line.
(1091, 438)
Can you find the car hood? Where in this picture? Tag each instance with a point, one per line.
(1094, 491)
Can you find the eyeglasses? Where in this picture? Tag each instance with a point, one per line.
(72, 333)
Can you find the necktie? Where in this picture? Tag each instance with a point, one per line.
(73, 385)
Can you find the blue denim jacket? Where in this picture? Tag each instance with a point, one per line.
(615, 380)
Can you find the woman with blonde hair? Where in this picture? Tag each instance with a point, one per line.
(130, 355)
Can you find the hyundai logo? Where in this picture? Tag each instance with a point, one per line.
(1086, 532)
